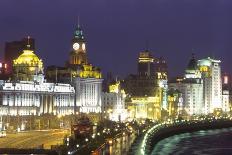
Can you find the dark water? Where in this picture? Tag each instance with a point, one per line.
(210, 142)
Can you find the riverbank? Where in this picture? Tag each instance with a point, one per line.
(173, 127)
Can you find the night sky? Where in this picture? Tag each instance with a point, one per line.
(117, 30)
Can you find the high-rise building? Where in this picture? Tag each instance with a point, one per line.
(211, 74)
(13, 50)
(191, 87)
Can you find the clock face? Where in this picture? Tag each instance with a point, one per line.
(76, 46)
(83, 46)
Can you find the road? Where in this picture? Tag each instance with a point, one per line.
(119, 147)
(33, 139)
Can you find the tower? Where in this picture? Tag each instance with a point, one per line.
(145, 63)
(78, 54)
(211, 74)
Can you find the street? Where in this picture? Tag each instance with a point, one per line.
(119, 147)
(33, 139)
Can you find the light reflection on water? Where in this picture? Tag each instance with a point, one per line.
(208, 142)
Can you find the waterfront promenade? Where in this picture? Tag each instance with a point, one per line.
(171, 127)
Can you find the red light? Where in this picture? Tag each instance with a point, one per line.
(226, 80)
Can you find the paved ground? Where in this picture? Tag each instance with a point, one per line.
(33, 139)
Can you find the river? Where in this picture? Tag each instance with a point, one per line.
(209, 142)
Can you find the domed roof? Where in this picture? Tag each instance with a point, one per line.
(28, 57)
(192, 65)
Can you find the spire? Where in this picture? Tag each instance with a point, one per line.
(78, 34)
(28, 42)
(193, 55)
(78, 21)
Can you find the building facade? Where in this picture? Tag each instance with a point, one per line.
(86, 78)
(113, 103)
(88, 95)
(30, 98)
(191, 87)
(211, 75)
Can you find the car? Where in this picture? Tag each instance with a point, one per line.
(2, 134)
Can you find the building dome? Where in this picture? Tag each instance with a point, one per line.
(28, 57)
(192, 70)
(192, 65)
(27, 66)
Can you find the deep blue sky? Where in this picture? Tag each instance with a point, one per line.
(116, 30)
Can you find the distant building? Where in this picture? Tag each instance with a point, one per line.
(4, 75)
(226, 93)
(88, 94)
(13, 50)
(175, 103)
(29, 93)
(27, 66)
(30, 98)
(113, 103)
(191, 87)
(211, 74)
(147, 89)
(86, 78)
(145, 64)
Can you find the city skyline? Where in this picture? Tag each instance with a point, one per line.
(199, 27)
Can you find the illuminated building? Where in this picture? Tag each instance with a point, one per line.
(226, 93)
(136, 85)
(13, 50)
(33, 98)
(4, 71)
(88, 94)
(27, 66)
(191, 88)
(145, 64)
(113, 103)
(77, 65)
(83, 76)
(28, 93)
(211, 74)
(145, 108)
(161, 72)
(147, 89)
(175, 103)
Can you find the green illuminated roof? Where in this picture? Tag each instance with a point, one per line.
(78, 34)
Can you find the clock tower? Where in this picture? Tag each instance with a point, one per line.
(78, 54)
